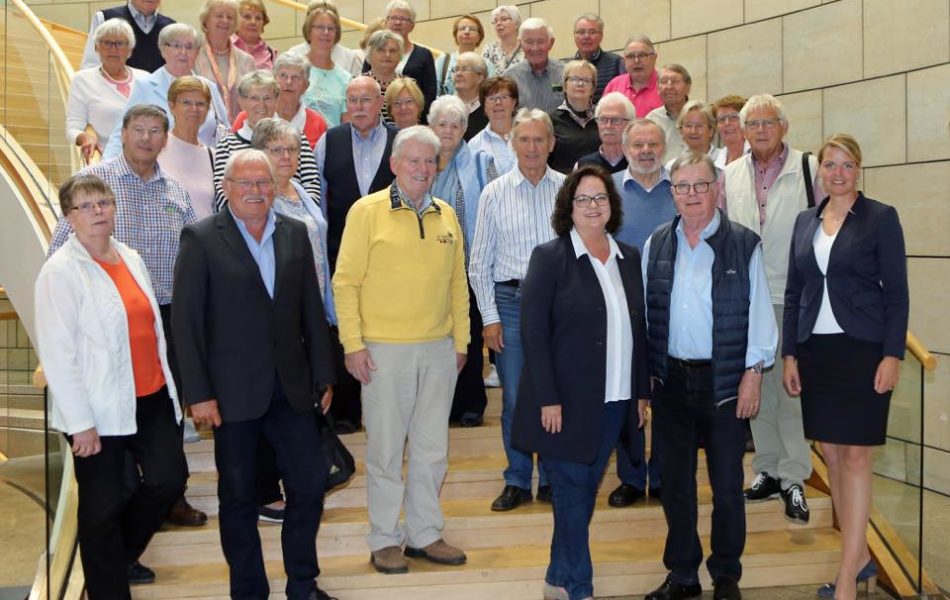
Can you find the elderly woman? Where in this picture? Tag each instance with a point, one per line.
(507, 50)
(257, 94)
(726, 111)
(697, 128)
(575, 129)
(184, 157)
(98, 95)
(845, 322)
(219, 60)
(499, 97)
(468, 33)
(326, 91)
(416, 61)
(383, 51)
(470, 73)
(462, 175)
(252, 18)
(99, 336)
(404, 102)
(585, 364)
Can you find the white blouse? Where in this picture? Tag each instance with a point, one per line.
(826, 322)
(94, 100)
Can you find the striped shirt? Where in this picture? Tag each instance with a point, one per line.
(307, 173)
(514, 216)
(149, 217)
(539, 90)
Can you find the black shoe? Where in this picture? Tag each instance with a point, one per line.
(511, 497)
(656, 493)
(470, 420)
(544, 494)
(671, 590)
(764, 487)
(139, 574)
(183, 514)
(318, 594)
(796, 509)
(726, 589)
(270, 515)
(625, 495)
(343, 427)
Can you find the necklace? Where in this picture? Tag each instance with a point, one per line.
(123, 86)
(220, 52)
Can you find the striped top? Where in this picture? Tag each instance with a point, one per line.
(539, 90)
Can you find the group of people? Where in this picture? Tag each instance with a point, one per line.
(274, 236)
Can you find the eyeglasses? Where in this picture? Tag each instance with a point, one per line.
(700, 187)
(404, 103)
(670, 81)
(468, 29)
(178, 46)
(761, 124)
(696, 126)
(464, 69)
(246, 184)
(147, 132)
(497, 98)
(256, 99)
(587, 32)
(362, 100)
(612, 120)
(192, 103)
(398, 19)
(597, 199)
(100, 205)
(112, 44)
(582, 81)
(324, 28)
(723, 119)
(282, 150)
(638, 55)
(500, 19)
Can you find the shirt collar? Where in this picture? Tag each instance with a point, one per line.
(594, 57)
(246, 131)
(627, 176)
(517, 177)
(580, 249)
(139, 14)
(124, 169)
(269, 226)
(707, 231)
(398, 199)
(373, 133)
(651, 84)
(778, 159)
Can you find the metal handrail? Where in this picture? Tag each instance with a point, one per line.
(920, 352)
(349, 23)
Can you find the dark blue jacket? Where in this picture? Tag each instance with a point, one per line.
(867, 278)
(564, 335)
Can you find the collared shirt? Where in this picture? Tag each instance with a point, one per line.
(691, 318)
(149, 217)
(543, 89)
(262, 54)
(674, 140)
(644, 100)
(608, 66)
(765, 176)
(496, 146)
(644, 209)
(90, 58)
(514, 216)
(261, 251)
(367, 154)
(408, 203)
(619, 330)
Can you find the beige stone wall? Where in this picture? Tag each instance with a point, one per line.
(878, 69)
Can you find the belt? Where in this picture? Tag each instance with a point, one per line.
(510, 283)
(685, 363)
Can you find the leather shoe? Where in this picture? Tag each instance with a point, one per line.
(671, 590)
(139, 574)
(389, 560)
(511, 497)
(318, 594)
(544, 494)
(625, 495)
(656, 493)
(726, 589)
(470, 420)
(183, 514)
(438, 552)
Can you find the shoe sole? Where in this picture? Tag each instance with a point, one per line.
(774, 496)
(388, 570)
(796, 521)
(419, 553)
(269, 519)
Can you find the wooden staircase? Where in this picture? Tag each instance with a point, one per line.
(507, 552)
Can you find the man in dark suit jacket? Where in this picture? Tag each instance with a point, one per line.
(146, 24)
(255, 356)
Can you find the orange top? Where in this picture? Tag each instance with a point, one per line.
(146, 366)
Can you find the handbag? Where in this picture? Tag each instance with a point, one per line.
(340, 463)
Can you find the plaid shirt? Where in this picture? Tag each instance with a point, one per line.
(149, 217)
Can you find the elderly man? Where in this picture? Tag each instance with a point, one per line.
(402, 302)
(146, 23)
(588, 35)
(765, 190)
(150, 211)
(675, 84)
(639, 83)
(647, 203)
(711, 331)
(256, 359)
(613, 113)
(540, 78)
(514, 216)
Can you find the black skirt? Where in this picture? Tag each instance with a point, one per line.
(839, 404)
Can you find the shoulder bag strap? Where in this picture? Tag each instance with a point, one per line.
(809, 184)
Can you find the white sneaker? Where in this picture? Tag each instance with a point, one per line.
(191, 434)
(492, 380)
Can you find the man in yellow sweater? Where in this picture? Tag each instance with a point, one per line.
(402, 303)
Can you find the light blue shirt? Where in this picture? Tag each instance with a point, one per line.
(263, 251)
(367, 154)
(691, 319)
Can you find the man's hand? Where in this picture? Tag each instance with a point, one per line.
(205, 414)
(493, 337)
(790, 379)
(750, 390)
(326, 399)
(359, 364)
(551, 418)
(86, 443)
(460, 359)
(643, 405)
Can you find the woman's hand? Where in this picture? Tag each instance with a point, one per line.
(643, 405)
(888, 372)
(326, 400)
(88, 143)
(791, 380)
(551, 418)
(86, 443)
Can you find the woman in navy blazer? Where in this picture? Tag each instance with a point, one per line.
(583, 333)
(845, 322)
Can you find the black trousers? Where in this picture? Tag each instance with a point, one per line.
(295, 440)
(684, 414)
(166, 312)
(470, 394)
(114, 528)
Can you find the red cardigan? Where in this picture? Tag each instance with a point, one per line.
(313, 128)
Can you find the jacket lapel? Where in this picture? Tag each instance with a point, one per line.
(238, 247)
(281, 251)
(631, 288)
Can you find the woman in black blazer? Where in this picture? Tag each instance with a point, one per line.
(585, 363)
(845, 322)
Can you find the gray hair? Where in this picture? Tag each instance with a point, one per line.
(616, 98)
(291, 60)
(640, 39)
(115, 27)
(760, 102)
(589, 16)
(475, 60)
(379, 39)
(509, 9)
(255, 79)
(272, 129)
(361, 79)
(401, 5)
(525, 115)
(678, 69)
(244, 156)
(416, 133)
(152, 111)
(535, 23)
(179, 30)
(700, 107)
(639, 123)
(210, 4)
(691, 157)
(451, 107)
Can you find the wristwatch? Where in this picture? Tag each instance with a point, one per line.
(758, 367)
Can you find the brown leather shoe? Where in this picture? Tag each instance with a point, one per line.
(185, 515)
(438, 552)
(389, 560)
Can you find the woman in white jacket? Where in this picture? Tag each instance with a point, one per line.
(100, 340)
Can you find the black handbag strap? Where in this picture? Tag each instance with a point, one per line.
(445, 70)
(809, 184)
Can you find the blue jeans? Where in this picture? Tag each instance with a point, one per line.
(574, 492)
(509, 362)
(637, 475)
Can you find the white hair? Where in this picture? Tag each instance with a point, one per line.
(116, 27)
(179, 30)
(525, 115)
(247, 156)
(760, 102)
(401, 5)
(509, 9)
(535, 23)
(449, 106)
(290, 60)
(616, 99)
(416, 133)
